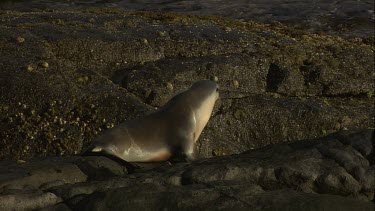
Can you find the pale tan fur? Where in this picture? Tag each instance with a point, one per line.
(153, 138)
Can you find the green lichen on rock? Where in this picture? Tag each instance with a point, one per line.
(370, 94)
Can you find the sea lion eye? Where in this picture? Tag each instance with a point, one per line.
(217, 89)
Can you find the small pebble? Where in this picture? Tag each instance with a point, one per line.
(80, 79)
(236, 84)
(29, 68)
(169, 86)
(20, 39)
(44, 64)
(214, 78)
(145, 41)
(162, 33)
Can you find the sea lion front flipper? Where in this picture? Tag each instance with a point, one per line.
(184, 154)
(178, 158)
(178, 146)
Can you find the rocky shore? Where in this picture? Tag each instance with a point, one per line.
(68, 76)
(335, 172)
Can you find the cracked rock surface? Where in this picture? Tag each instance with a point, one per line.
(335, 172)
(68, 76)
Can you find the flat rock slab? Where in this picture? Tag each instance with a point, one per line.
(28, 201)
(154, 198)
(44, 173)
(39, 174)
(333, 172)
(330, 165)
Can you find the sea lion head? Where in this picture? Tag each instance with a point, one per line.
(202, 97)
(205, 90)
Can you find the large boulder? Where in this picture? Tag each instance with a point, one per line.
(68, 76)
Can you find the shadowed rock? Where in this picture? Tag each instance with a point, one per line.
(315, 174)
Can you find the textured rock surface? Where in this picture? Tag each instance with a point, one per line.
(341, 17)
(335, 172)
(28, 201)
(67, 76)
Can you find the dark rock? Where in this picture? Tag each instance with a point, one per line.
(288, 85)
(57, 207)
(362, 141)
(322, 166)
(39, 173)
(252, 121)
(155, 197)
(293, 200)
(51, 184)
(348, 19)
(338, 182)
(28, 201)
(69, 191)
(275, 88)
(314, 174)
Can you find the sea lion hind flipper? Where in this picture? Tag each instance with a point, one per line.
(129, 166)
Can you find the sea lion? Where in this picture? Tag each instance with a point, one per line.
(170, 131)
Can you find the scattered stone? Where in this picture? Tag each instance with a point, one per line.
(214, 78)
(162, 33)
(169, 86)
(29, 68)
(44, 64)
(20, 39)
(236, 84)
